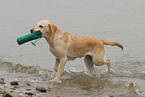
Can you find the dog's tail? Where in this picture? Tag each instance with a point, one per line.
(106, 42)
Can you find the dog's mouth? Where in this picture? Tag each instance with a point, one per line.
(34, 30)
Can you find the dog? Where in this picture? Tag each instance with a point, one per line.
(66, 46)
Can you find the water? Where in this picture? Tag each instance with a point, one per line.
(114, 20)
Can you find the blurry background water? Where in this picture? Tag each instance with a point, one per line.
(114, 20)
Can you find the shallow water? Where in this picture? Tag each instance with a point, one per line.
(113, 20)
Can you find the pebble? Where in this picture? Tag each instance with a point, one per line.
(2, 81)
(28, 84)
(41, 89)
(14, 83)
(29, 93)
(7, 94)
(28, 89)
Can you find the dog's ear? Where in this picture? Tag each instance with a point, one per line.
(52, 28)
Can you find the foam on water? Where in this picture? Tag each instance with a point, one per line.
(117, 84)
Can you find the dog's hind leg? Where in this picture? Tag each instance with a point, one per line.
(57, 61)
(109, 66)
(89, 64)
(100, 60)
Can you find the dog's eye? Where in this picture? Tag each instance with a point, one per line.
(40, 26)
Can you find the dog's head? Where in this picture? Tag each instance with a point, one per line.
(46, 27)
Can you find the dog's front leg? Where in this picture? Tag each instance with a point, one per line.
(61, 67)
(57, 61)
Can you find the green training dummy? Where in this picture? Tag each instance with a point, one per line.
(29, 37)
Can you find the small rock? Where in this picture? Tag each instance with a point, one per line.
(7, 94)
(2, 81)
(14, 83)
(41, 89)
(29, 93)
(28, 84)
(20, 95)
(12, 91)
(13, 88)
(16, 86)
(28, 89)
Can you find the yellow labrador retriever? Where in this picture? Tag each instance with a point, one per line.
(66, 46)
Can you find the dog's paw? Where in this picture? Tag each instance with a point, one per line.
(111, 71)
(55, 81)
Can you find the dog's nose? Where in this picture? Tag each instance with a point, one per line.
(31, 30)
